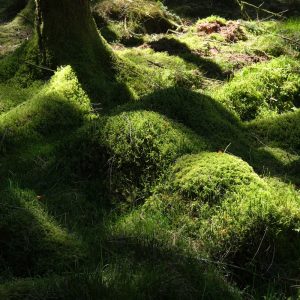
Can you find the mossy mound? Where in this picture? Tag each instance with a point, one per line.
(254, 232)
(136, 147)
(9, 8)
(259, 230)
(265, 88)
(32, 243)
(59, 106)
(279, 131)
(138, 16)
(210, 176)
(199, 112)
(12, 95)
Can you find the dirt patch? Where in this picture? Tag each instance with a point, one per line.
(209, 27)
(231, 31)
(246, 59)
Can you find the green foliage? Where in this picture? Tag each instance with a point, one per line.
(261, 89)
(125, 204)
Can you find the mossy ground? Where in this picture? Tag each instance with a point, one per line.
(187, 189)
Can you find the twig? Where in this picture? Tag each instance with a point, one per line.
(263, 9)
(261, 241)
(227, 147)
(155, 64)
(40, 67)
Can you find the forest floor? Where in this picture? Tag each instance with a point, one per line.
(187, 189)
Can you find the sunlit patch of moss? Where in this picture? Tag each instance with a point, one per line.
(60, 105)
(210, 176)
(263, 88)
(12, 95)
(147, 71)
(248, 219)
(283, 156)
(279, 131)
(212, 19)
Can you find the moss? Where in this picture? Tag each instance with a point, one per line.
(212, 19)
(135, 147)
(281, 131)
(12, 95)
(269, 87)
(29, 234)
(146, 71)
(137, 17)
(239, 230)
(210, 177)
(61, 105)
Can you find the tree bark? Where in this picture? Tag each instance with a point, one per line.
(66, 31)
(67, 35)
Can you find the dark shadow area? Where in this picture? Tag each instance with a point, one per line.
(175, 47)
(231, 9)
(31, 244)
(268, 255)
(196, 8)
(197, 272)
(167, 273)
(10, 8)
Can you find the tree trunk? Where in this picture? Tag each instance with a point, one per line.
(67, 35)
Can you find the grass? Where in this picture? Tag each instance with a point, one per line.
(185, 189)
